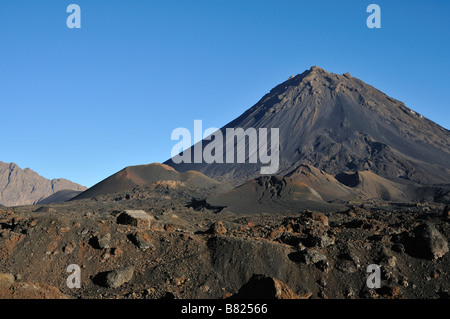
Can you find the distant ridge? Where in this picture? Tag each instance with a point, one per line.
(26, 187)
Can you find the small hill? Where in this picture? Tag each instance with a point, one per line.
(269, 194)
(140, 175)
(325, 184)
(347, 186)
(371, 186)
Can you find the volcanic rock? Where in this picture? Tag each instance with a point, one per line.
(137, 218)
(104, 241)
(119, 276)
(218, 228)
(431, 241)
(6, 280)
(29, 290)
(313, 256)
(141, 240)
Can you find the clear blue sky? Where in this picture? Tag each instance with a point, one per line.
(84, 103)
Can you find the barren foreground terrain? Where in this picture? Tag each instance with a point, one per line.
(157, 242)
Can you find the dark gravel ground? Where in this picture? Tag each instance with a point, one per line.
(187, 252)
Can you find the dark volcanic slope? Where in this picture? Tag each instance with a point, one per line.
(269, 194)
(25, 187)
(325, 184)
(59, 197)
(141, 175)
(338, 123)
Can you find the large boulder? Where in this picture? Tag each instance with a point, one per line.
(139, 219)
(426, 242)
(119, 276)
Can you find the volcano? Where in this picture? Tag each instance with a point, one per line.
(141, 175)
(338, 125)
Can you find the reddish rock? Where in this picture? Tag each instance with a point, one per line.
(170, 227)
(28, 290)
(218, 228)
(139, 219)
(117, 252)
(275, 233)
(6, 280)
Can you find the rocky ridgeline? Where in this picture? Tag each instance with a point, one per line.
(26, 187)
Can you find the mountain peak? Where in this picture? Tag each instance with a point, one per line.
(336, 122)
(315, 68)
(318, 71)
(315, 76)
